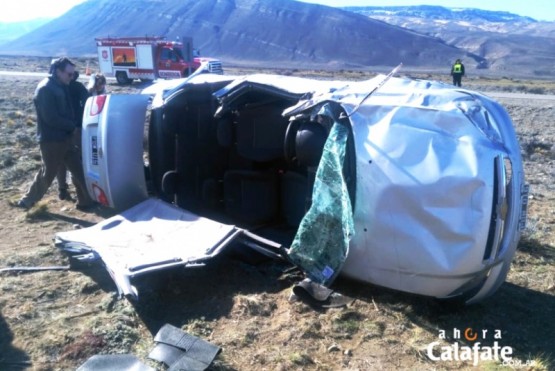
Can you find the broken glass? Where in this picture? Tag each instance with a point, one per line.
(321, 244)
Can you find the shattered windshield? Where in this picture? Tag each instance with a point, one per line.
(321, 244)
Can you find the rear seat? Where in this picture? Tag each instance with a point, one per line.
(251, 197)
(251, 185)
(199, 157)
(259, 133)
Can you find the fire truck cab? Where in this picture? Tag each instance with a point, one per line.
(150, 58)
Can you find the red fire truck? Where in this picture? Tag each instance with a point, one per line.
(149, 58)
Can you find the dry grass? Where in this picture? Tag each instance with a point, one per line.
(55, 320)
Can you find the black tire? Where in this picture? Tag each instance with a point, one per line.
(122, 78)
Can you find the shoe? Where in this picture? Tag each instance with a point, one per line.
(63, 194)
(85, 208)
(22, 205)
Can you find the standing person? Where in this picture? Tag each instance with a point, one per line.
(457, 71)
(97, 84)
(55, 129)
(78, 94)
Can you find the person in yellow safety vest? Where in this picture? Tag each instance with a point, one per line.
(457, 71)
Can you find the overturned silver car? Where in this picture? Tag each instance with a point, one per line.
(418, 187)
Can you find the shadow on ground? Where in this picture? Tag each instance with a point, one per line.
(11, 358)
(525, 317)
(48, 215)
(183, 295)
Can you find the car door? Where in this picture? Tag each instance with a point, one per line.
(169, 64)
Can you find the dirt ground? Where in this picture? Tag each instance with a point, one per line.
(56, 319)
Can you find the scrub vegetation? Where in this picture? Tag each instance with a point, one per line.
(55, 320)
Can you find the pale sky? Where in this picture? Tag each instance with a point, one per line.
(541, 10)
(24, 10)
(20, 10)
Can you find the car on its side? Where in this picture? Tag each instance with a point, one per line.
(408, 184)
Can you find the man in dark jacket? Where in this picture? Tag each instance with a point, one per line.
(457, 71)
(78, 95)
(55, 131)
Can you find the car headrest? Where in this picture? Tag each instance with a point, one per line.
(309, 143)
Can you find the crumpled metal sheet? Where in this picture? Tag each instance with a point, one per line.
(425, 170)
(426, 155)
(150, 236)
(182, 351)
(321, 244)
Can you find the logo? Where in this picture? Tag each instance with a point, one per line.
(475, 352)
(169, 74)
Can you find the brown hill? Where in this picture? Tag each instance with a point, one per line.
(263, 32)
(509, 44)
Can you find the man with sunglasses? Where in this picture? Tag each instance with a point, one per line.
(55, 130)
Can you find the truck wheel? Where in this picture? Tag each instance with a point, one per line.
(122, 78)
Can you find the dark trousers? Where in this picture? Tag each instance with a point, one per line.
(54, 155)
(61, 176)
(457, 78)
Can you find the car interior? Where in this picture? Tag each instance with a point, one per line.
(241, 162)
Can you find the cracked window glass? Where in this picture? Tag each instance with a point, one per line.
(321, 244)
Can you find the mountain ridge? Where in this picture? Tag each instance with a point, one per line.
(508, 43)
(12, 30)
(441, 12)
(265, 32)
(286, 33)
